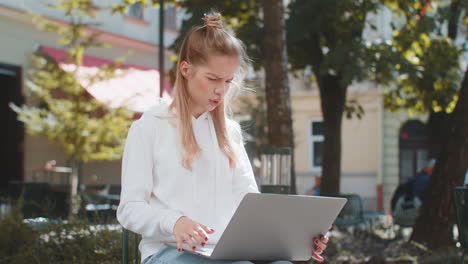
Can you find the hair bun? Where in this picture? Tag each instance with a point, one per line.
(213, 20)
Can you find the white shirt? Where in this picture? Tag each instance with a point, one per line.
(157, 190)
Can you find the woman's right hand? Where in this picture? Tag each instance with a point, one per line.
(186, 230)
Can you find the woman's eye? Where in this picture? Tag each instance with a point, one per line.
(230, 81)
(211, 79)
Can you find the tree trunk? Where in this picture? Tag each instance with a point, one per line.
(76, 178)
(280, 129)
(434, 224)
(332, 98)
(437, 127)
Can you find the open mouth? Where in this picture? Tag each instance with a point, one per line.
(215, 102)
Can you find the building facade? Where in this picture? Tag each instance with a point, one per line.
(136, 31)
(374, 158)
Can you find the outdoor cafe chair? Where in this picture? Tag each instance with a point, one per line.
(352, 213)
(130, 239)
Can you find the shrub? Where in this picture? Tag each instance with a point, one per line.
(75, 241)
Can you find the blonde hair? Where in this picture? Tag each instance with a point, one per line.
(199, 43)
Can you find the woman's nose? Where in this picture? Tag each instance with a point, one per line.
(220, 89)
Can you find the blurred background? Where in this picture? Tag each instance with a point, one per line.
(368, 99)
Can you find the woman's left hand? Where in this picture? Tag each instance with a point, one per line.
(320, 244)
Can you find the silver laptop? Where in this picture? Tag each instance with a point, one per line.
(273, 227)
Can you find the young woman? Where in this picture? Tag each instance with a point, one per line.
(184, 168)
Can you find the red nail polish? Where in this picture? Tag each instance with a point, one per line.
(179, 249)
(206, 239)
(194, 248)
(317, 257)
(203, 244)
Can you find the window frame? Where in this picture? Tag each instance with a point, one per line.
(128, 14)
(312, 139)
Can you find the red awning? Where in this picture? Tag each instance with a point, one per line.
(134, 87)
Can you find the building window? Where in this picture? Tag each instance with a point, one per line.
(135, 11)
(414, 149)
(170, 21)
(316, 139)
(12, 132)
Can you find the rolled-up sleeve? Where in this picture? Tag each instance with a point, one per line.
(135, 212)
(243, 178)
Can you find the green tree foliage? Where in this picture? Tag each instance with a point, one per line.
(327, 37)
(428, 53)
(68, 115)
(241, 17)
(323, 35)
(426, 56)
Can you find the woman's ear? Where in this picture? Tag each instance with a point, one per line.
(184, 68)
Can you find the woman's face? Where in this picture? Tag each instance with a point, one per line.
(207, 84)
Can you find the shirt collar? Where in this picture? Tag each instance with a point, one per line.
(203, 116)
(162, 110)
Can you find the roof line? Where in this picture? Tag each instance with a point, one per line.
(115, 39)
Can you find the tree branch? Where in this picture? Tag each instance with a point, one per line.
(316, 56)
